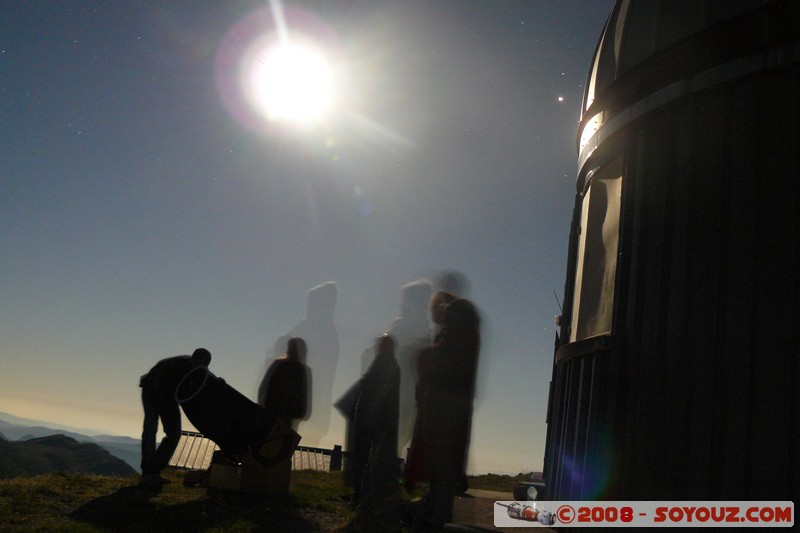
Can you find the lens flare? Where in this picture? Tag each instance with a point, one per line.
(275, 70)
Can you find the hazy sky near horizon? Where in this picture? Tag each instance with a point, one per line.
(145, 210)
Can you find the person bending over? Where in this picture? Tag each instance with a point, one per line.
(159, 401)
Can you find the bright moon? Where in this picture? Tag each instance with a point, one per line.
(292, 83)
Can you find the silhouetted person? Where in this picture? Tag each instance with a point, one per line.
(445, 408)
(458, 284)
(319, 332)
(438, 306)
(412, 331)
(419, 453)
(284, 389)
(373, 468)
(158, 399)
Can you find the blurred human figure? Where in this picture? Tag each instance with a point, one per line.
(322, 340)
(373, 468)
(445, 402)
(437, 307)
(284, 389)
(412, 331)
(418, 457)
(159, 402)
(454, 282)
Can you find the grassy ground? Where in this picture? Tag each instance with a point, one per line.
(76, 502)
(86, 503)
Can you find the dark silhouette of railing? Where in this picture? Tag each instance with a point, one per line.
(194, 452)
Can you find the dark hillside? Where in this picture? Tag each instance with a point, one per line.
(19, 429)
(12, 463)
(58, 453)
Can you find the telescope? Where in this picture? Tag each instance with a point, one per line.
(235, 423)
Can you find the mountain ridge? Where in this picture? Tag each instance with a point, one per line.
(58, 453)
(21, 421)
(14, 428)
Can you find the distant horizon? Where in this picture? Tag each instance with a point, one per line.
(13, 419)
(93, 433)
(32, 410)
